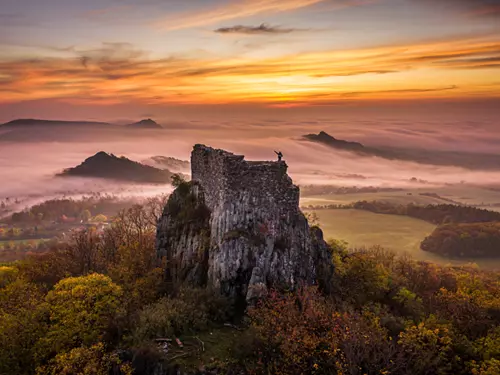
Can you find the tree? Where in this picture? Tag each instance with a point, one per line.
(100, 218)
(92, 360)
(428, 348)
(312, 218)
(22, 322)
(7, 275)
(154, 208)
(83, 251)
(81, 310)
(86, 215)
(177, 180)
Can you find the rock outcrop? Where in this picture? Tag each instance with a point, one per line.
(237, 226)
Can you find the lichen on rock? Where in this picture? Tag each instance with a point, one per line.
(237, 226)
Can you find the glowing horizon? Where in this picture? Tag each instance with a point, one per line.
(272, 53)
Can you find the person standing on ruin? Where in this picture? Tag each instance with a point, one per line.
(280, 155)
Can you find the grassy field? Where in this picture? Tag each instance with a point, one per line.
(400, 234)
(392, 197)
(469, 195)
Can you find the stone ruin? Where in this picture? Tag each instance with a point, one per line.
(237, 227)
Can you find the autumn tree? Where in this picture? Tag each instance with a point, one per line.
(22, 322)
(93, 360)
(81, 311)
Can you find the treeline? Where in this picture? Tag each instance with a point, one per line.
(474, 240)
(308, 190)
(99, 305)
(83, 209)
(433, 213)
(15, 250)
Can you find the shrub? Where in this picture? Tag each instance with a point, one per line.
(427, 348)
(7, 275)
(191, 310)
(85, 361)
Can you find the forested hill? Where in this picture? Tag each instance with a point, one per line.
(37, 123)
(104, 165)
(474, 240)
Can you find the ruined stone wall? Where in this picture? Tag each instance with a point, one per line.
(224, 176)
(257, 235)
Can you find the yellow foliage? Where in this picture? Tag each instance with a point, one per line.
(84, 361)
(489, 367)
(7, 275)
(81, 310)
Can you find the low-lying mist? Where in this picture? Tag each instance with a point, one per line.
(30, 159)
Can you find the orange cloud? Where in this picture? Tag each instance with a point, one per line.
(117, 74)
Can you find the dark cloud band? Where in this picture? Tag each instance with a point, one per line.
(262, 29)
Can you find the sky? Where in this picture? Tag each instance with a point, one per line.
(112, 59)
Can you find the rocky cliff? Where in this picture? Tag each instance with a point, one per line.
(237, 226)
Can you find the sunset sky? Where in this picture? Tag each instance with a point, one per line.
(128, 58)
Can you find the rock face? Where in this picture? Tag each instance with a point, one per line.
(237, 226)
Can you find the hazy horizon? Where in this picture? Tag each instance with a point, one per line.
(252, 76)
(120, 59)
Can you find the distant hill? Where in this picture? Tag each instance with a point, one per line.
(169, 163)
(25, 123)
(104, 165)
(145, 124)
(327, 139)
(35, 122)
(468, 160)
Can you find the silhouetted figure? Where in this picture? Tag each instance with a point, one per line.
(280, 155)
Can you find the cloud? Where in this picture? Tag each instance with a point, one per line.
(402, 91)
(240, 9)
(263, 29)
(469, 8)
(120, 73)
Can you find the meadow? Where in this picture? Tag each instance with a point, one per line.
(462, 194)
(400, 234)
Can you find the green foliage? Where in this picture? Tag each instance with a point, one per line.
(185, 207)
(75, 308)
(178, 180)
(409, 303)
(54, 210)
(100, 218)
(81, 309)
(360, 277)
(93, 360)
(23, 318)
(7, 275)
(489, 345)
(312, 218)
(488, 367)
(191, 311)
(427, 348)
(465, 240)
(86, 215)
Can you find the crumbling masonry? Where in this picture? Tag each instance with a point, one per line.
(237, 226)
